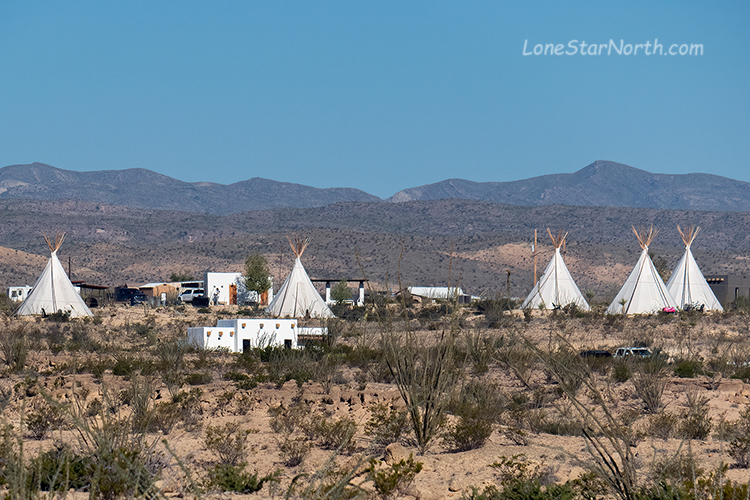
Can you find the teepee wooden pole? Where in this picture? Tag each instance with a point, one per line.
(645, 237)
(49, 244)
(689, 235)
(298, 245)
(59, 238)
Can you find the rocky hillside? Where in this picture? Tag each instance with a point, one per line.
(419, 243)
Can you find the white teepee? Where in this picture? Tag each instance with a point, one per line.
(687, 284)
(297, 297)
(53, 290)
(556, 286)
(644, 291)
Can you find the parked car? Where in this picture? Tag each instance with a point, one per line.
(593, 353)
(138, 297)
(636, 352)
(188, 295)
(123, 294)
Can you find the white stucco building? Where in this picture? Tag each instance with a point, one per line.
(239, 335)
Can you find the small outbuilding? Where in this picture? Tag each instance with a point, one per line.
(240, 335)
(19, 293)
(160, 290)
(729, 287)
(229, 289)
(431, 293)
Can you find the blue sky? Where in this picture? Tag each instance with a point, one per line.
(379, 96)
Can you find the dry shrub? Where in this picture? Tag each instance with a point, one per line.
(333, 434)
(424, 375)
(519, 468)
(138, 397)
(46, 417)
(608, 440)
(227, 442)
(125, 461)
(739, 447)
(662, 425)
(294, 450)
(568, 368)
(695, 422)
(290, 422)
(675, 471)
(650, 380)
(288, 419)
(386, 425)
(15, 345)
(478, 407)
(479, 347)
(171, 363)
(395, 479)
(514, 354)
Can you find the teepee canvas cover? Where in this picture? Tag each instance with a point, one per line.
(556, 286)
(297, 297)
(53, 290)
(687, 284)
(644, 291)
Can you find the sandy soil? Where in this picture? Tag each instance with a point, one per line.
(445, 474)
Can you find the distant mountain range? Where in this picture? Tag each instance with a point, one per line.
(602, 183)
(141, 188)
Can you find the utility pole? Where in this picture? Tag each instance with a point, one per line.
(533, 249)
(507, 283)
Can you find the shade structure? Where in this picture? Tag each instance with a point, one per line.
(298, 298)
(556, 287)
(53, 291)
(687, 284)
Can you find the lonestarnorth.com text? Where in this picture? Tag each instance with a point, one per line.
(576, 47)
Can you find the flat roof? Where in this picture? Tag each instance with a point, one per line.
(83, 284)
(323, 280)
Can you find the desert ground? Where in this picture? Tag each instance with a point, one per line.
(316, 418)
